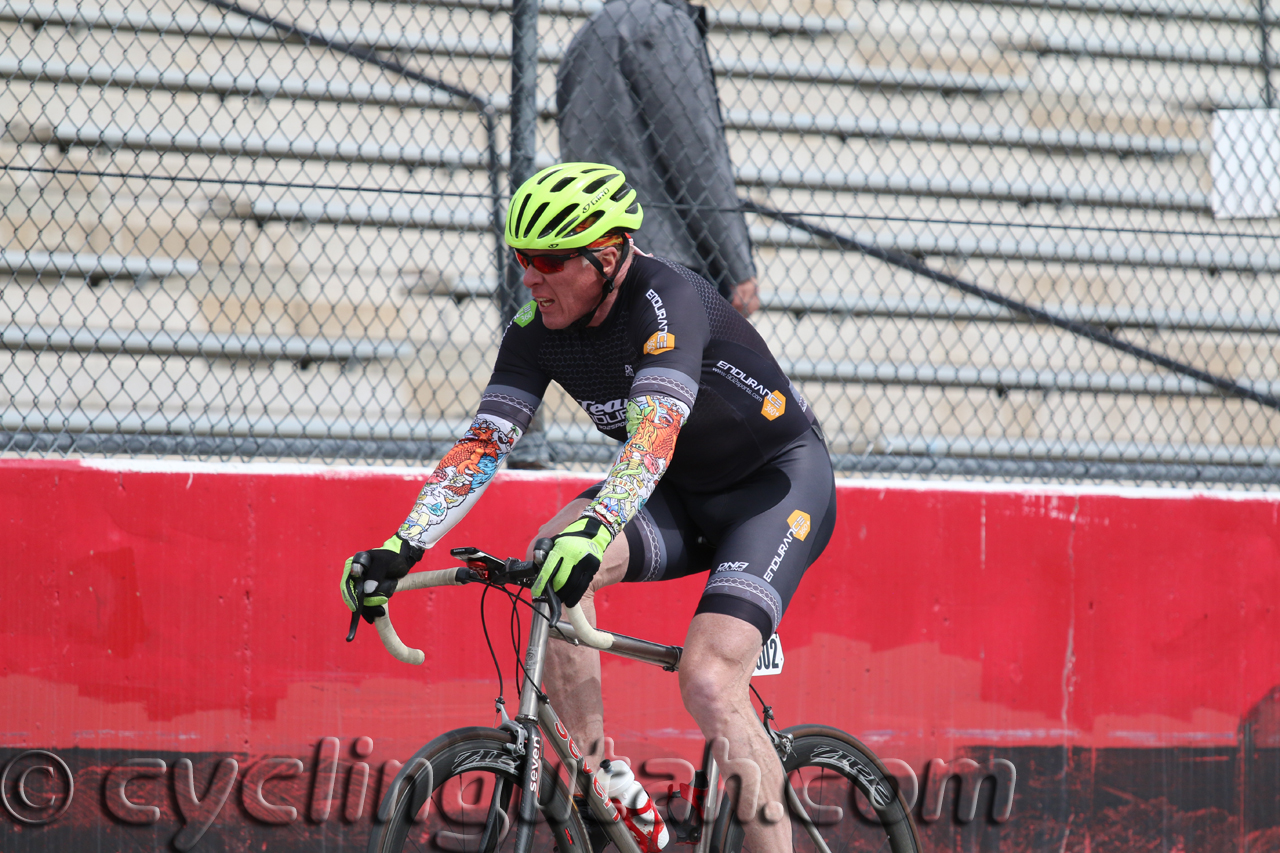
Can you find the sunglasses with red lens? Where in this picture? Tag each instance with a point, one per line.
(545, 264)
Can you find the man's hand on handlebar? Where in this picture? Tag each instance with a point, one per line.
(574, 559)
(386, 570)
(370, 577)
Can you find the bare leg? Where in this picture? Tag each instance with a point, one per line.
(572, 675)
(715, 673)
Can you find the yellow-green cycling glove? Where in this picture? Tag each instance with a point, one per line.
(574, 559)
(380, 570)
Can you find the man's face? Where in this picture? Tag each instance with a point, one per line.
(563, 297)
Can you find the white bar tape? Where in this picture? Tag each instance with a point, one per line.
(588, 635)
(398, 650)
(422, 580)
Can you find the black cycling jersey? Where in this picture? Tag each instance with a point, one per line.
(724, 469)
(671, 333)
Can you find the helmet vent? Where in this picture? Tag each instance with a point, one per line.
(561, 184)
(557, 221)
(588, 222)
(621, 191)
(595, 185)
(551, 173)
(533, 220)
(515, 227)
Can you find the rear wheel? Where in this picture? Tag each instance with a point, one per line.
(472, 781)
(830, 774)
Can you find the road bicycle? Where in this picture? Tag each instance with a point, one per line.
(484, 790)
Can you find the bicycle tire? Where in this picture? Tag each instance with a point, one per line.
(457, 762)
(839, 763)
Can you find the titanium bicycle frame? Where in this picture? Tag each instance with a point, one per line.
(535, 718)
(535, 711)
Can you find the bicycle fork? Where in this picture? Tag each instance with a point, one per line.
(526, 723)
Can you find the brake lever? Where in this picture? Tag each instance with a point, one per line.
(550, 595)
(355, 616)
(522, 572)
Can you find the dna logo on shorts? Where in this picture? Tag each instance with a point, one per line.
(774, 405)
(799, 523)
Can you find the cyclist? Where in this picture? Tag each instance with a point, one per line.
(723, 469)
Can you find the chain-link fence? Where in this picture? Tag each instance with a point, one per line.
(1005, 238)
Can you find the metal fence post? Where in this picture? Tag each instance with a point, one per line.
(524, 125)
(532, 452)
(1268, 92)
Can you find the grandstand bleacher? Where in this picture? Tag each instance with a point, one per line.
(240, 234)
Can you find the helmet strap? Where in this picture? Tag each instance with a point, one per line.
(589, 254)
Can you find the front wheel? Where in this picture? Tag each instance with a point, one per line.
(826, 770)
(473, 782)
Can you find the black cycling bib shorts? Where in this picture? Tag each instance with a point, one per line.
(756, 538)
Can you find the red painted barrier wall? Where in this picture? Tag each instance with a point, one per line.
(1119, 647)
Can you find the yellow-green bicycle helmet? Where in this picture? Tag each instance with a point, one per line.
(571, 205)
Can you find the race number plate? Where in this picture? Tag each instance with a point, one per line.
(770, 661)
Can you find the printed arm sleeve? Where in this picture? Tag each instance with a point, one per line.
(459, 480)
(467, 469)
(653, 422)
(671, 331)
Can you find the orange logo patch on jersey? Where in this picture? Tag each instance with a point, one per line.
(660, 342)
(774, 405)
(799, 522)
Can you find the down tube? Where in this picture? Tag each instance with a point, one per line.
(571, 756)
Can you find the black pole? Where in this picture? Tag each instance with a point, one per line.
(1084, 330)
(524, 131)
(533, 450)
(1268, 92)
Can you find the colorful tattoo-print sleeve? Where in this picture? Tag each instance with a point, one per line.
(456, 484)
(653, 422)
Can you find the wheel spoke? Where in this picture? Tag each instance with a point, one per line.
(799, 815)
